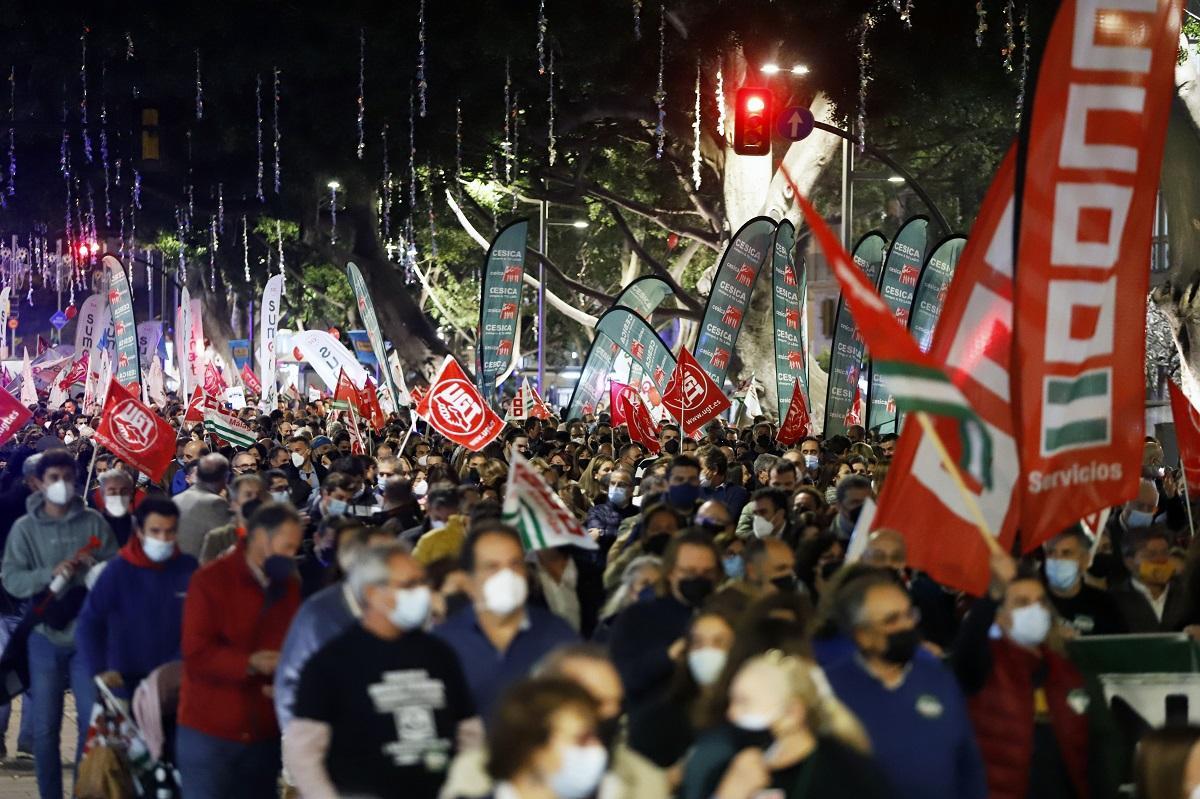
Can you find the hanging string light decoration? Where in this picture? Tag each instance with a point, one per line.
(245, 248)
(83, 99)
(507, 146)
(333, 187)
(385, 191)
(906, 14)
(137, 189)
(104, 144)
(421, 83)
(1024, 61)
(121, 216)
(182, 246)
(720, 102)
(660, 96)
(212, 252)
(275, 125)
(258, 124)
(551, 153)
(199, 89)
(362, 107)
(279, 241)
(541, 37)
(637, 20)
(696, 163)
(981, 25)
(865, 62)
(458, 140)
(221, 208)
(412, 157)
(11, 189)
(128, 46)
(1010, 44)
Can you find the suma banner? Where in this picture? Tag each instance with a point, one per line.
(500, 302)
(1091, 168)
(732, 286)
(846, 353)
(791, 358)
(268, 321)
(127, 366)
(932, 288)
(897, 284)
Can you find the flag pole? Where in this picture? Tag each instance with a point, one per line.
(1187, 500)
(91, 469)
(968, 496)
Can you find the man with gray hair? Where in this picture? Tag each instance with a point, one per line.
(324, 616)
(201, 507)
(380, 705)
(115, 500)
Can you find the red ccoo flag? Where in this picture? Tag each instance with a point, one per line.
(135, 434)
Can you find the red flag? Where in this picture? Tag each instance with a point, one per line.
(455, 409)
(615, 409)
(135, 434)
(195, 407)
(1187, 436)
(213, 382)
(13, 416)
(538, 408)
(368, 403)
(77, 373)
(795, 424)
(250, 380)
(637, 417)
(42, 345)
(692, 396)
(1099, 121)
(345, 390)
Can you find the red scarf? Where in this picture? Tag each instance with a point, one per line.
(133, 552)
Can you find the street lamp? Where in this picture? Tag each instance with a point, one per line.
(775, 69)
(543, 241)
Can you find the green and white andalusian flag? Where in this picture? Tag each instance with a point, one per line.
(539, 514)
(228, 427)
(914, 380)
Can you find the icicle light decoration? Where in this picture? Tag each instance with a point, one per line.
(906, 14)
(385, 202)
(551, 153)
(221, 208)
(637, 19)
(660, 96)
(696, 131)
(212, 252)
(275, 125)
(258, 120)
(412, 158)
(1024, 24)
(137, 190)
(128, 46)
(362, 107)
(516, 137)
(83, 99)
(279, 241)
(245, 248)
(720, 102)
(199, 89)
(421, 82)
(507, 146)
(864, 78)
(981, 25)
(457, 143)
(1010, 44)
(333, 187)
(182, 246)
(541, 37)
(104, 145)
(12, 136)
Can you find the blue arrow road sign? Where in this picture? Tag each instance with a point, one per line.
(59, 320)
(795, 123)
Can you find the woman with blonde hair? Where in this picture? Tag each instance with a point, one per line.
(787, 735)
(590, 479)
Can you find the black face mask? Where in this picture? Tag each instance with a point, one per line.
(1104, 565)
(473, 476)
(853, 514)
(695, 590)
(583, 463)
(656, 545)
(763, 442)
(671, 447)
(751, 739)
(608, 730)
(902, 646)
(785, 584)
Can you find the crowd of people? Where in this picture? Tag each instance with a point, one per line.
(367, 625)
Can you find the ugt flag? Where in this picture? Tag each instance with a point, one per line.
(135, 434)
(795, 424)
(538, 512)
(692, 396)
(13, 416)
(456, 410)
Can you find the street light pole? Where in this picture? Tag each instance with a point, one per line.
(543, 215)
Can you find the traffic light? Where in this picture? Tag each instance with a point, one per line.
(752, 126)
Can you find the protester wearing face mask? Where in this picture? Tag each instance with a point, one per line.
(150, 574)
(322, 617)
(810, 450)
(714, 483)
(1088, 610)
(1137, 515)
(52, 546)
(302, 464)
(604, 518)
(777, 473)
(1153, 599)
(627, 775)
(683, 483)
(852, 491)
(648, 637)
(770, 515)
(1030, 707)
(499, 638)
(785, 734)
(663, 728)
(116, 501)
(887, 549)
(770, 566)
(341, 738)
(440, 504)
(204, 506)
(910, 704)
(228, 739)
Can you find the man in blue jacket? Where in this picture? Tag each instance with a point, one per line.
(147, 581)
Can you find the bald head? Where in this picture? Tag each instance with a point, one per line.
(213, 471)
(886, 548)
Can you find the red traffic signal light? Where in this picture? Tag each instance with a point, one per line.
(752, 125)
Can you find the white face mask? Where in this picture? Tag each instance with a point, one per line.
(412, 608)
(116, 506)
(580, 769)
(504, 592)
(297, 459)
(811, 461)
(156, 549)
(59, 492)
(705, 664)
(1030, 625)
(753, 722)
(281, 496)
(422, 460)
(419, 488)
(763, 527)
(436, 524)
(68, 439)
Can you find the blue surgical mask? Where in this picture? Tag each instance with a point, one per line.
(618, 495)
(735, 567)
(811, 461)
(336, 507)
(1138, 518)
(1061, 573)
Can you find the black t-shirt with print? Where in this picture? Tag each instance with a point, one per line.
(393, 708)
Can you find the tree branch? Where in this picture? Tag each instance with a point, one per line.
(574, 285)
(659, 269)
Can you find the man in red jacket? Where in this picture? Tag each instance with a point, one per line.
(235, 618)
